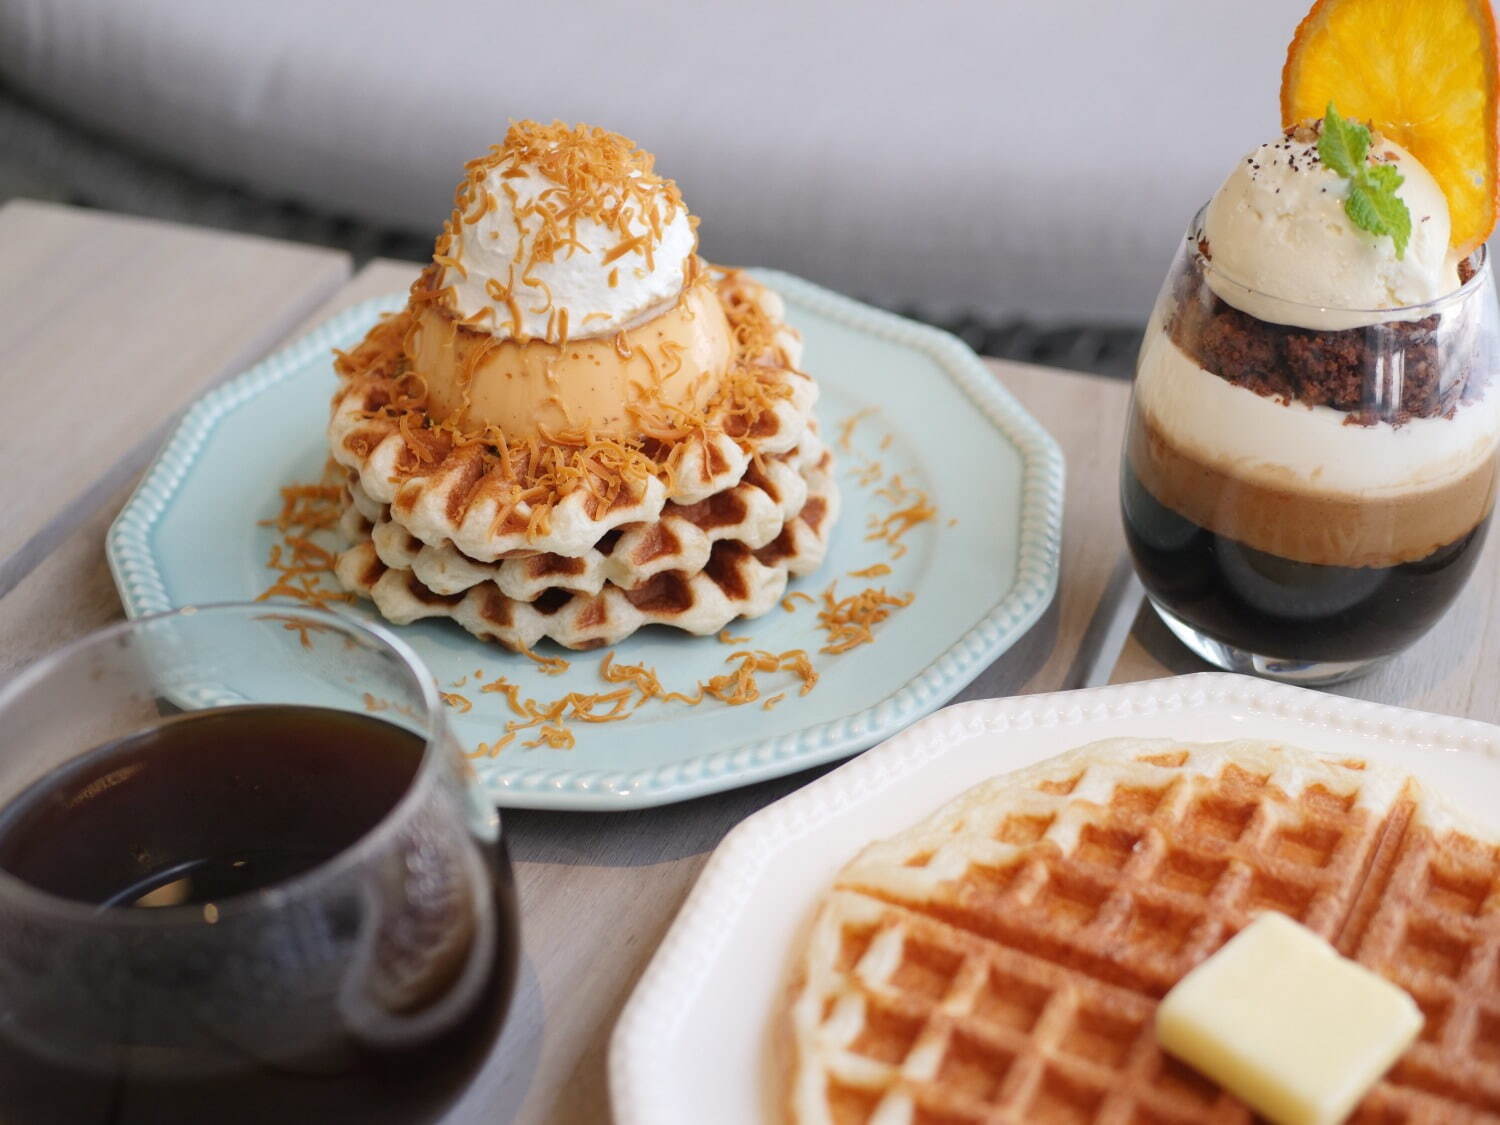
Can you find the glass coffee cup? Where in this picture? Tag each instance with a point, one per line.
(1306, 490)
(245, 876)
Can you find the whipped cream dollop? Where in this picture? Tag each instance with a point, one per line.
(1284, 250)
(1289, 445)
(564, 233)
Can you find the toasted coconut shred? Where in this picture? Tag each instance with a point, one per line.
(304, 628)
(845, 439)
(849, 622)
(303, 566)
(891, 528)
(548, 665)
(740, 686)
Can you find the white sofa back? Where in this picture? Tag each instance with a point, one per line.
(1036, 158)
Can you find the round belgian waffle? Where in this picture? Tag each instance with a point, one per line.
(1002, 961)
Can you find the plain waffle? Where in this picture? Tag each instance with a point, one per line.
(752, 511)
(1002, 961)
(574, 604)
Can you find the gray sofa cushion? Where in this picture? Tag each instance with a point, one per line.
(1039, 159)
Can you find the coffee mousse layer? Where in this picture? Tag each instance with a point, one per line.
(1298, 522)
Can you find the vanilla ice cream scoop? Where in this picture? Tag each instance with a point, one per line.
(1284, 250)
(564, 233)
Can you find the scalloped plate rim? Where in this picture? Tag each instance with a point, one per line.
(138, 577)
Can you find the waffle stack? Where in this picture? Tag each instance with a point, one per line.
(696, 567)
(710, 530)
(1002, 961)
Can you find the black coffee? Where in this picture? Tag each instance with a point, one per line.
(205, 807)
(1278, 607)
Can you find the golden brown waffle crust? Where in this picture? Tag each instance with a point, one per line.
(959, 833)
(754, 512)
(1393, 874)
(606, 597)
(452, 499)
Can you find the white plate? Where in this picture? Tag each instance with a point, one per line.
(693, 1043)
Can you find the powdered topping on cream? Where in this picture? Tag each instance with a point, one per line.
(1285, 251)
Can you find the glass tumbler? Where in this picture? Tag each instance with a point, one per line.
(362, 974)
(1305, 490)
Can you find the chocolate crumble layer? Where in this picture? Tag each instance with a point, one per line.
(1331, 368)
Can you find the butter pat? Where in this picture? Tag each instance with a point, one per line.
(1278, 1018)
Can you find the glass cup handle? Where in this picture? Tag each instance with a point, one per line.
(386, 1009)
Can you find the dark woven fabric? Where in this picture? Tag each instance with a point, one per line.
(42, 157)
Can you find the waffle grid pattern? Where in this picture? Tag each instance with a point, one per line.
(960, 1030)
(1002, 961)
(576, 601)
(1430, 923)
(753, 511)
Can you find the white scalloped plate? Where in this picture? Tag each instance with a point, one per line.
(696, 1033)
(190, 536)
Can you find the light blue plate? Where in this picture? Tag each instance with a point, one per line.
(982, 571)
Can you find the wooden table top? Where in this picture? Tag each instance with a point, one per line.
(96, 304)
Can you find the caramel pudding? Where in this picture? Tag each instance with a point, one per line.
(576, 427)
(530, 388)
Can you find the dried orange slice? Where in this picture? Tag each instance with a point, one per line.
(1423, 72)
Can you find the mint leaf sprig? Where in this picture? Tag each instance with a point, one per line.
(1372, 203)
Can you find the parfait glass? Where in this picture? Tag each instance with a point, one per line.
(1305, 490)
(368, 985)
